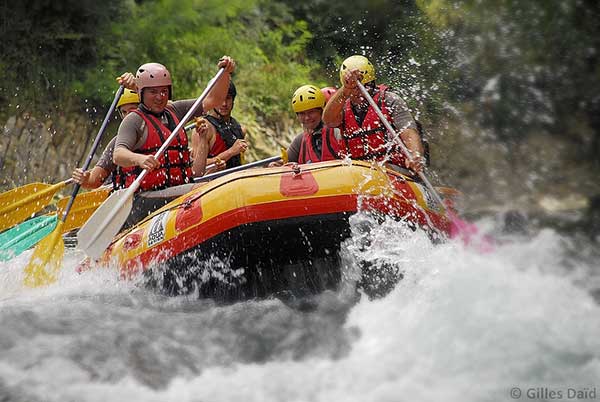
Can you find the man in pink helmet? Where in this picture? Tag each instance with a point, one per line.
(142, 133)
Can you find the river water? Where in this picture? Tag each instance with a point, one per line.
(519, 321)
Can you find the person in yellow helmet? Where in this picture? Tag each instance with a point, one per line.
(363, 135)
(315, 143)
(95, 177)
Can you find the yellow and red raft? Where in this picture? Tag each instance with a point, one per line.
(262, 231)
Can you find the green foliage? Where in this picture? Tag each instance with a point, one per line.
(396, 35)
(46, 44)
(514, 66)
(190, 36)
(526, 65)
(69, 53)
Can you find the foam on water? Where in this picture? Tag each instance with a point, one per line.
(69, 281)
(460, 326)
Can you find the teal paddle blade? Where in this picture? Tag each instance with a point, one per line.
(25, 235)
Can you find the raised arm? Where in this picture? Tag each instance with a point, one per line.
(333, 113)
(200, 147)
(219, 92)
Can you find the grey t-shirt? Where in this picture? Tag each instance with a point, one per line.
(106, 159)
(133, 131)
(293, 151)
(398, 108)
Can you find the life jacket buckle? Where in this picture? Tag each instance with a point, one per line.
(296, 171)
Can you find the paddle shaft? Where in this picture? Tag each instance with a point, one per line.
(129, 192)
(181, 124)
(464, 229)
(46, 259)
(403, 148)
(95, 145)
(236, 169)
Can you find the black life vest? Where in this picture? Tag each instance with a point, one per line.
(229, 132)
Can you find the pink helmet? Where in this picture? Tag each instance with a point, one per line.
(328, 93)
(153, 75)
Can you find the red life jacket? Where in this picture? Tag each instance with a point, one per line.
(218, 147)
(227, 134)
(330, 147)
(175, 163)
(369, 140)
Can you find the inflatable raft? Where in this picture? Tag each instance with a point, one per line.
(263, 231)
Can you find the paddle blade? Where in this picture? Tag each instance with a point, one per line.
(20, 203)
(46, 260)
(83, 207)
(98, 232)
(26, 235)
(469, 234)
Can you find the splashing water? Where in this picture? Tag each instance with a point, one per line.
(459, 325)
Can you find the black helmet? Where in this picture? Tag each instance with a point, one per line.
(232, 91)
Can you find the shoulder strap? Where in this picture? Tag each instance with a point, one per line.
(326, 139)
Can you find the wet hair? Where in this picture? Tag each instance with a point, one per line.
(232, 91)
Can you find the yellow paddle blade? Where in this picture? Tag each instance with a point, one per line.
(84, 206)
(98, 232)
(284, 155)
(20, 203)
(46, 260)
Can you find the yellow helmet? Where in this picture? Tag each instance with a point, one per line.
(307, 97)
(360, 62)
(128, 96)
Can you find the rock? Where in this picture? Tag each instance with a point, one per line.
(514, 222)
(592, 216)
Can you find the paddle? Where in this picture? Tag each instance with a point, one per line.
(83, 207)
(458, 228)
(106, 222)
(24, 236)
(215, 175)
(27, 234)
(22, 202)
(51, 249)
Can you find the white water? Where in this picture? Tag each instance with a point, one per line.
(460, 326)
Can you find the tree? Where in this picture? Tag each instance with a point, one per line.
(46, 44)
(397, 36)
(528, 65)
(190, 36)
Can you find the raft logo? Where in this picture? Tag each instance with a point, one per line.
(157, 229)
